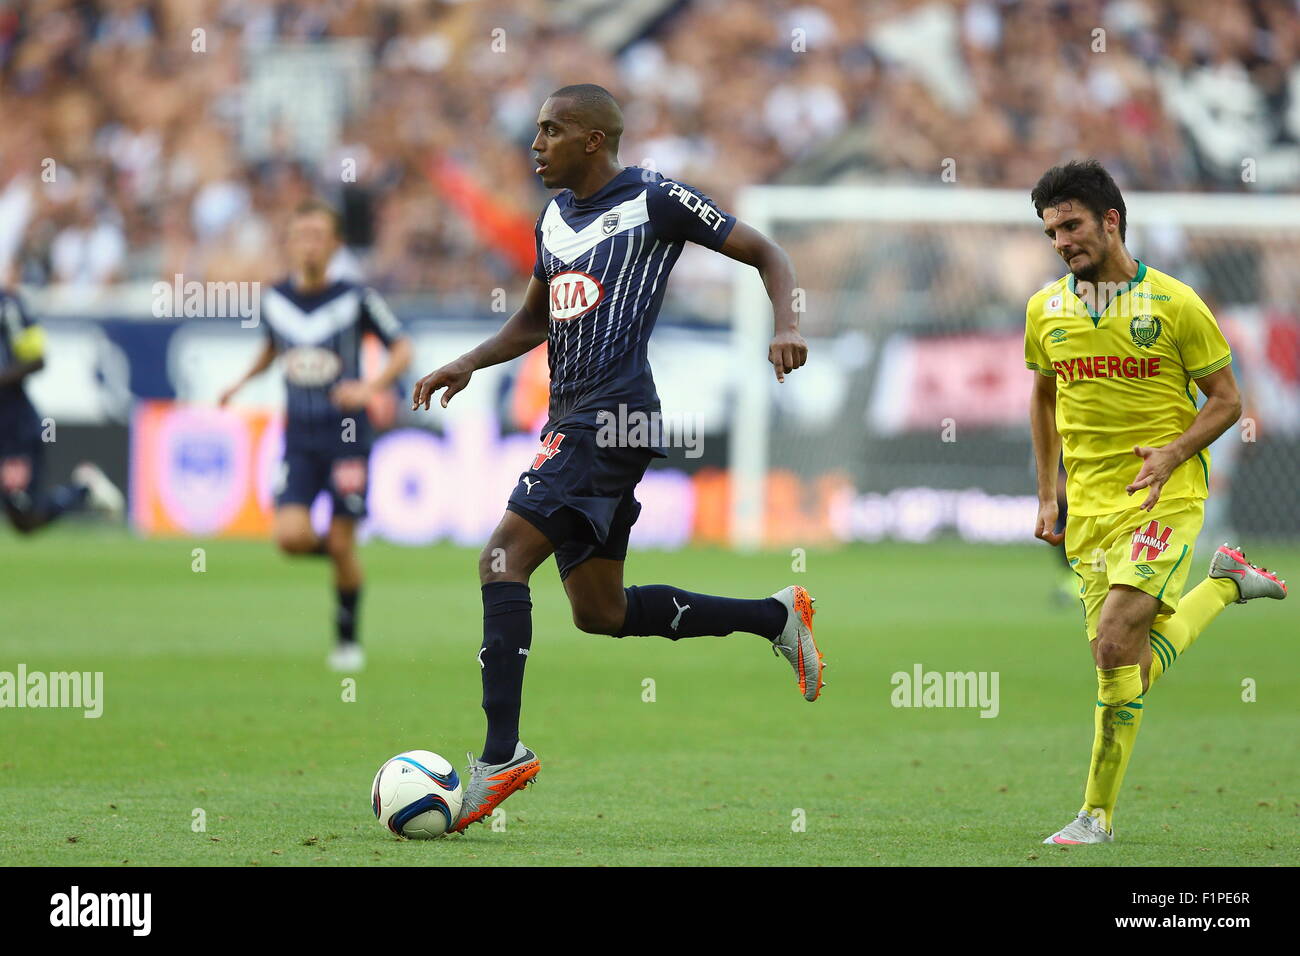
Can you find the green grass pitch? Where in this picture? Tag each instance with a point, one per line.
(217, 698)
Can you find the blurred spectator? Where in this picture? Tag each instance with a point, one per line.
(141, 108)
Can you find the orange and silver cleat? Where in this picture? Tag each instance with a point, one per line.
(796, 641)
(490, 784)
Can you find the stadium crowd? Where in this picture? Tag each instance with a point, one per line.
(142, 139)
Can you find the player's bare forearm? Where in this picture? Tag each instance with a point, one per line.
(522, 332)
(788, 350)
(1047, 440)
(1047, 453)
(1221, 409)
(399, 360)
(260, 365)
(16, 372)
(1220, 412)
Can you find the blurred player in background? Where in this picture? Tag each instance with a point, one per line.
(22, 448)
(605, 247)
(1115, 346)
(316, 324)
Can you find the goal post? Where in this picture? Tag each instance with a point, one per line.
(901, 278)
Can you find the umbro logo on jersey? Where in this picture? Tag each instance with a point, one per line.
(1058, 335)
(574, 294)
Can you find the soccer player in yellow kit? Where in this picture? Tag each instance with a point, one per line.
(1115, 347)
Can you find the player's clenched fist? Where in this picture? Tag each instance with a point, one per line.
(1045, 528)
(453, 377)
(787, 352)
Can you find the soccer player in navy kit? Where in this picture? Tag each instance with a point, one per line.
(316, 325)
(605, 247)
(22, 448)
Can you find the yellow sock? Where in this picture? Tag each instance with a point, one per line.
(1115, 725)
(1114, 734)
(1173, 634)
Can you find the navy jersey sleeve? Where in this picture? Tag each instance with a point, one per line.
(681, 213)
(377, 317)
(539, 269)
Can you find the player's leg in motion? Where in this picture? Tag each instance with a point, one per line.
(602, 605)
(294, 535)
(1232, 580)
(514, 551)
(1119, 710)
(1122, 653)
(29, 509)
(340, 543)
(303, 476)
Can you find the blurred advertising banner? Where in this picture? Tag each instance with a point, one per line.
(202, 471)
(199, 470)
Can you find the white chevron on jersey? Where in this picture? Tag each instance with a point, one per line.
(309, 328)
(559, 239)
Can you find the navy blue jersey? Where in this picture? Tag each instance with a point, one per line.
(318, 335)
(606, 261)
(21, 340)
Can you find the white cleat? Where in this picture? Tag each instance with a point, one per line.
(1082, 829)
(101, 494)
(796, 641)
(347, 658)
(1252, 582)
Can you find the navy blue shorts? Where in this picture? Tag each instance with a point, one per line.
(579, 495)
(304, 474)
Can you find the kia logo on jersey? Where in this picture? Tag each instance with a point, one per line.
(310, 367)
(574, 294)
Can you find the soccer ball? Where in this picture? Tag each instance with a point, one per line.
(416, 795)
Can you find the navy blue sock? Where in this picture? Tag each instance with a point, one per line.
(345, 620)
(507, 638)
(664, 611)
(64, 498)
(28, 515)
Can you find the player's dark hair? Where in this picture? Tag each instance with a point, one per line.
(1083, 182)
(310, 207)
(596, 108)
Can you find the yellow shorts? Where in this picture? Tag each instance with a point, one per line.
(1150, 551)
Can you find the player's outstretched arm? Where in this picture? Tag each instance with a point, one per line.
(522, 332)
(357, 394)
(1221, 410)
(788, 351)
(1047, 454)
(262, 363)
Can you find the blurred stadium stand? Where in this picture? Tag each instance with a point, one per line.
(172, 160)
(142, 139)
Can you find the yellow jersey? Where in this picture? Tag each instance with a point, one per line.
(1124, 378)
